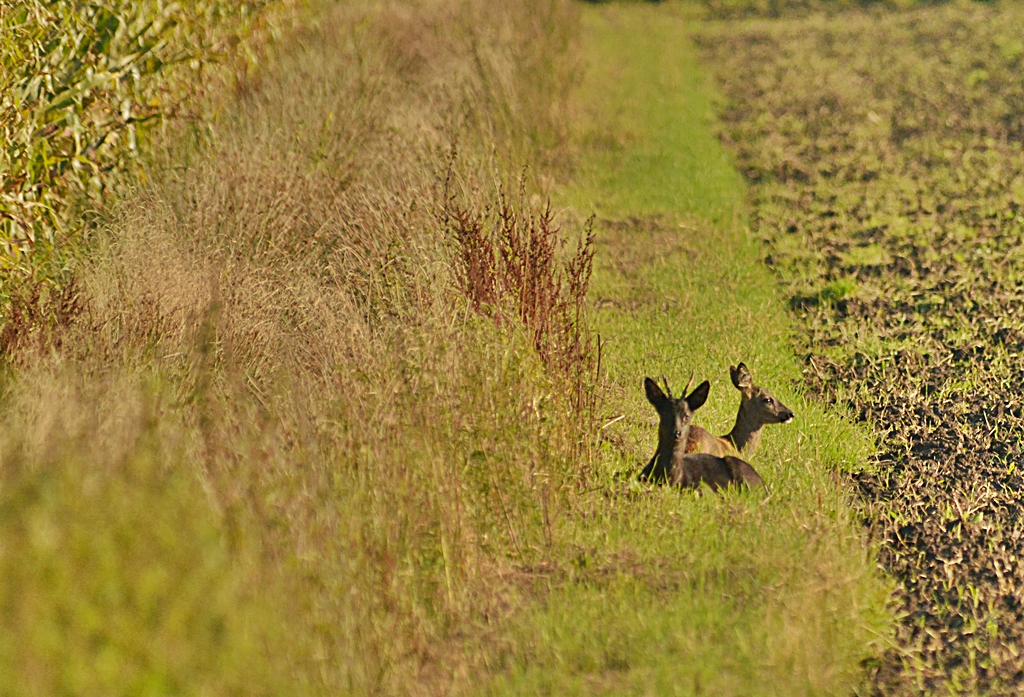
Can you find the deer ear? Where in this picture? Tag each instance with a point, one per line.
(654, 394)
(695, 400)
(741, 377)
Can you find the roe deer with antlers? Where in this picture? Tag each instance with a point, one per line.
(758, 407)
(671, 463)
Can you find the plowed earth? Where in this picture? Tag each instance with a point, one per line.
(886, 153)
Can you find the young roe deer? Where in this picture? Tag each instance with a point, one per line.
(672, 463)
(758, 407)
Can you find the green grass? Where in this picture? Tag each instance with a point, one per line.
(645, 126)
(664, 592)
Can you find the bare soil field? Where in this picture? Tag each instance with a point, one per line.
(885, 152)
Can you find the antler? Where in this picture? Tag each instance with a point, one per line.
(689, 384)
(668, 390)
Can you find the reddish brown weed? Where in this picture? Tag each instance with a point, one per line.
(514, 262)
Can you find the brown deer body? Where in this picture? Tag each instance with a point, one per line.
(694, 469)
(671, 463)
(758, 407)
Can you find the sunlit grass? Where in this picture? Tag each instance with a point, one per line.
(281, 452)
(671, 592)
(645, 124)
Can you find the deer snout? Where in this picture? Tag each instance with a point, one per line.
(786, 416)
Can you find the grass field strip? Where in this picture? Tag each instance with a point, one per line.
(657, 591)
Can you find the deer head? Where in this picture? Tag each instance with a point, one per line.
(759, 406)
(675, 413)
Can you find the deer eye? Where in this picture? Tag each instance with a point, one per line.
(769, 401)
(677, 433)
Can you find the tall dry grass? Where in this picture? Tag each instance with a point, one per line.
(280, 450)
(84, 89)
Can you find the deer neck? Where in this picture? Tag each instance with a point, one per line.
(746, 433)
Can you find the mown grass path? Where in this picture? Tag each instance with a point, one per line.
(655, 591)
